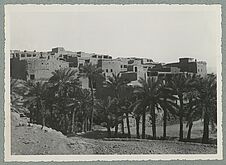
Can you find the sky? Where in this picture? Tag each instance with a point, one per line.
(163, 33)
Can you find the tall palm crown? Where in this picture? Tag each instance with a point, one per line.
(106, 107)
(207, 90)
(92, 72)
(149, 91)
(64, 78)
(38, 92)
(179, 82)
(115, 83)
(167, 98)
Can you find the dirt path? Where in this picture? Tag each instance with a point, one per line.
(98, 146)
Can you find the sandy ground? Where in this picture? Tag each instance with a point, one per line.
(32, 140)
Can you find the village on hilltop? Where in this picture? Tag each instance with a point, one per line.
(33, 65)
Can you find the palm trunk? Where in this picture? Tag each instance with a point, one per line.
(67, 124)
(88, 124)
(122, 127)
(85, 125)
(43, 121)
(153, 121)
(51, 117)
(109, 131)
(164, 123)
(205, 137)
(116, 130)
(92, 109)
(82, 126)
(43, 114)
(138, 126)
(181, 118)
(108, 128)
(143, 124)
(189, 131)
(73, 121)
(128, 126)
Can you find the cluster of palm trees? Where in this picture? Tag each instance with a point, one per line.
(61, 102)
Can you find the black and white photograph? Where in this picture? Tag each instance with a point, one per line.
(113, 82)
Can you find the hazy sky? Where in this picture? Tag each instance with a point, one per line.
(162, 33)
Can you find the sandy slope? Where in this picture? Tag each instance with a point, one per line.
(32, 140)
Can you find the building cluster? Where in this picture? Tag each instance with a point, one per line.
(33, 65)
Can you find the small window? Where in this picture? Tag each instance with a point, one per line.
(99, 56)
(107, 70)
(34, 55)
(42, 63)
(22, 55)
(28, 55)
(125, 66)
(111, 70)
(135, 69)
(87, 61)
(17, 54)
(32, 76)
(121, 66)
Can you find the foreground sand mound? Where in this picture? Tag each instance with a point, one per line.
(32, 140)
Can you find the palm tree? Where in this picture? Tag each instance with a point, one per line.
(167, 102)
(66, 83)
(93, 73)
(86, 103)
(192, 109)
(106, 109)
(148, 98)
(207, 89)
(116, 83)
(124, 105)
(62, 79)
(38, 95)
(179, 84)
